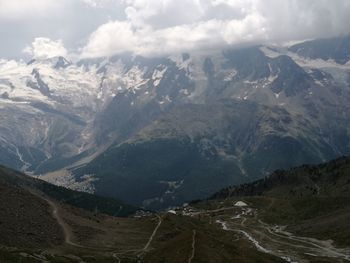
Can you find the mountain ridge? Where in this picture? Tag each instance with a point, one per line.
(94, 107)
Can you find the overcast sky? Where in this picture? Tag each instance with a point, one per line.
(94, 28)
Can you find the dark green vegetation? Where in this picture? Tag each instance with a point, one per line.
(150, 171)
(313, 200)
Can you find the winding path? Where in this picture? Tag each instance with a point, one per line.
(285, 240)
(55, 214)
(153, 234)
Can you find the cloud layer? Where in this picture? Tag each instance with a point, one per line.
(43, 48)
(94, 28)
(73, 21)
(15, 9)
(167, 26)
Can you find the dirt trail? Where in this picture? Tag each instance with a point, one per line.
(193, 246)
(272, 240)
(55, 213)
(146, 247)
(243, 221)
(140, 252)
(153, 234)
(68, 236)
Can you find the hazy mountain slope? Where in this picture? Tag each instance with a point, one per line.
(251, 111)
(60, 115)
(196, 150)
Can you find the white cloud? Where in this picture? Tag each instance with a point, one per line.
(164, 13)
(19, 9)
(150, 27)
(98, 3)
(43, 48)
(166, 26)
(38, 9)
(111, 36)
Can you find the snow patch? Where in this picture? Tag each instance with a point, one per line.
(180, 62)
(316, 63)
(158, 75)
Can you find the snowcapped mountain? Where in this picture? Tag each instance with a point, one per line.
(160, 131)
(45, 108)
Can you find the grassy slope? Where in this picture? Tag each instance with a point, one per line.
(78, 199)
(173, 244)
(100, 236)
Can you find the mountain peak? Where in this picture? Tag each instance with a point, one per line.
(56, 62)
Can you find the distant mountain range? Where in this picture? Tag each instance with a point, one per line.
(157, 132)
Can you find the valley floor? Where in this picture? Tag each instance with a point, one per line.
(211, 231)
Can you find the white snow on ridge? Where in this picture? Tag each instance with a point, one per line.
(133, 79)
(316, 63)
(158, 75)
(75, 84)
(303, 61)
